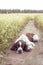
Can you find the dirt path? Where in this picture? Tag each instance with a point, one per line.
(35, 57)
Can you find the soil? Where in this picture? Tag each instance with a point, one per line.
(34, 57)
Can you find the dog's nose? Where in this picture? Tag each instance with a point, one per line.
(20, 51)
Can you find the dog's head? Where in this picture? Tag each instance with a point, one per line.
(19, 46)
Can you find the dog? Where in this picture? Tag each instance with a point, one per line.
(25, 42)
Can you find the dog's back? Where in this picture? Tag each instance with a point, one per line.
(30, 36)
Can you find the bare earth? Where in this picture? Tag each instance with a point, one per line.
(34, 57)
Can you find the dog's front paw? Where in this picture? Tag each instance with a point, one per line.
(30, 47)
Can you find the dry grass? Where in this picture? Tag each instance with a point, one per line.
(10, 26)
(39, 21)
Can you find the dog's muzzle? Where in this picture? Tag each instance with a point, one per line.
(20, 50)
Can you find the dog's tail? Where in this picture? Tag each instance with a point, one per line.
(35, 38)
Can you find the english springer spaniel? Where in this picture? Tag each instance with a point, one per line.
(25, 42)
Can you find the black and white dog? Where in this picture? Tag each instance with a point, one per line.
(25, 42)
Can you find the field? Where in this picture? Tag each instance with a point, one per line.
(39, 21)
(12, 24)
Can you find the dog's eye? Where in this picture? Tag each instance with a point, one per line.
(18, 45)
(22, 46)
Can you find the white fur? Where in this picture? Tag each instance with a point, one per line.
(22, 37)
(36, 37)
(20, 49)
(25, 38)
(20, 44)
(29, 47)
(31, 43)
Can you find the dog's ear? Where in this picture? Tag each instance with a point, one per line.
(14, 47)
(25, 47)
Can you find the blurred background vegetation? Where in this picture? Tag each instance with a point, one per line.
(12, 24)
